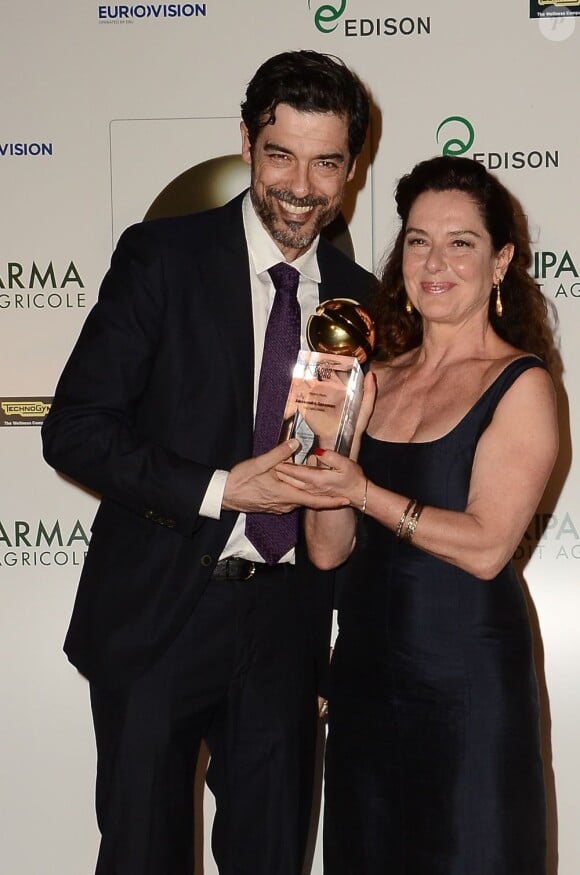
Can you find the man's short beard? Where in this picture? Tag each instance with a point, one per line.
(292, 233)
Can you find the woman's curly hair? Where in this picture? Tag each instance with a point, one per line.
(525, 322)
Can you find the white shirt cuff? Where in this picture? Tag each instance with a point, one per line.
(334, 631)
(211, 505)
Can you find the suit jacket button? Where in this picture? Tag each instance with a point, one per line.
(206, 560)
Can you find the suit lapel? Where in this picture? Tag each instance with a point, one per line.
(225, 272)
(340, 277)
(330, 277)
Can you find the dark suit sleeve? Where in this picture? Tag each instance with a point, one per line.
(105, 429)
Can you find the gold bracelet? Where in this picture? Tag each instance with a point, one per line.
(412, 524)
(404, 516)
(364, 501)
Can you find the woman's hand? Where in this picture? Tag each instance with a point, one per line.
(333, 479)
(334, 476)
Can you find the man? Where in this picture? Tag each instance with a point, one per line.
(184, 627)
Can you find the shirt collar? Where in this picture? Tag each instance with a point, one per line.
(263, 251)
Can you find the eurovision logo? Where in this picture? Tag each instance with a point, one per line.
(456, 136)
(330, 18)
(26, 150)
(129, 13)
(16, 412)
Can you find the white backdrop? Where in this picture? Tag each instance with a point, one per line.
(103, 106)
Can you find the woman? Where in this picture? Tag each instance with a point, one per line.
(433, 758)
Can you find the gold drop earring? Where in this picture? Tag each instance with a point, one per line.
(498, 303)
(408, 306)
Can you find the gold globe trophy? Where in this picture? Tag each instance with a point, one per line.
(327, 382)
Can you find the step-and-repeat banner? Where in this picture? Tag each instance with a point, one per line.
(115, 112)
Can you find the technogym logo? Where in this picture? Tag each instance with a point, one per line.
(31, 544)
(128, 14)
(456, 136)
(554, 8)
(40, 286)
(330, 17)
(20, 411)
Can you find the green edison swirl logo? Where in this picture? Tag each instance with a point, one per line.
(459, 143)
(326, 16)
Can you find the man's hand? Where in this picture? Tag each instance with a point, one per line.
(253, 486)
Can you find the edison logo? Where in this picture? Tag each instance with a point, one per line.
(460, 135)
(456, 135)
(326, 17)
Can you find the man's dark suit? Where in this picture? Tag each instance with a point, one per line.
(156, 395)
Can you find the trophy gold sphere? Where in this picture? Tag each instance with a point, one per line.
(341, 326)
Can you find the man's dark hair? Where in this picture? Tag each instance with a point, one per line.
(308, 82)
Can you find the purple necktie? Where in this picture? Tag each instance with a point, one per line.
(273, 535)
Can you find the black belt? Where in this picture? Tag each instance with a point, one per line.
(238, 569)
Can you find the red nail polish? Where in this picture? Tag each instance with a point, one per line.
(318, 451)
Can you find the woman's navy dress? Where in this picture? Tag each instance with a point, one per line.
(433, 757)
